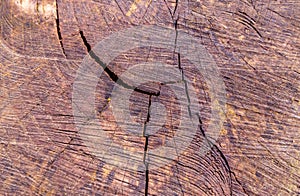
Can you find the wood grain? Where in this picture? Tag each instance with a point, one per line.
(255, 45)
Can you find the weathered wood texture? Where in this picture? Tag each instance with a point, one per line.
(255, 44)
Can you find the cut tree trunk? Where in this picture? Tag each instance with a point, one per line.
(255, 45)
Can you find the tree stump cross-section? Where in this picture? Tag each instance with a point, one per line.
(255, 46)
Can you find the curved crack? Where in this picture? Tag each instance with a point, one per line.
(110, 73)
(58, 30)
(223, 157)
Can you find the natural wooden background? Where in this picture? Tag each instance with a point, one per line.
(255, 44)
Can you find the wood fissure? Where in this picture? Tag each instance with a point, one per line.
(58, 30)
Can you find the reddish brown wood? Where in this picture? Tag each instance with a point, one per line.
(255, 45)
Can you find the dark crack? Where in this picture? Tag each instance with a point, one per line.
(109, 72)
(245, 15)
(182, 80)
(176, 6)
(223, 157)
(244, 190)
(146, 136)
(37, 7)
(185, 86)
(213, 145)
(249, 24)
(246, 20)
(119, 81)
(58, 30)
(176, 33)
(296, 71)
(169, 9)
(172, 13)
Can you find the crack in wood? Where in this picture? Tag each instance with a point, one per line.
(246, 16)
(176, 6)
(117, 80)
(246, 20)
(223, 157)
(146, 136)
(181, 69)
(58, 30)
(110, 73)
(169, 9)
(185, 86)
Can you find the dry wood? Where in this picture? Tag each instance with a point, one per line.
(255, 44)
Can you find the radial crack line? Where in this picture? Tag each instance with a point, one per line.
(185, 86)
(58, 30)
(146, 136)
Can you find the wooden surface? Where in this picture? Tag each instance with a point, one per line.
(256, 47)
